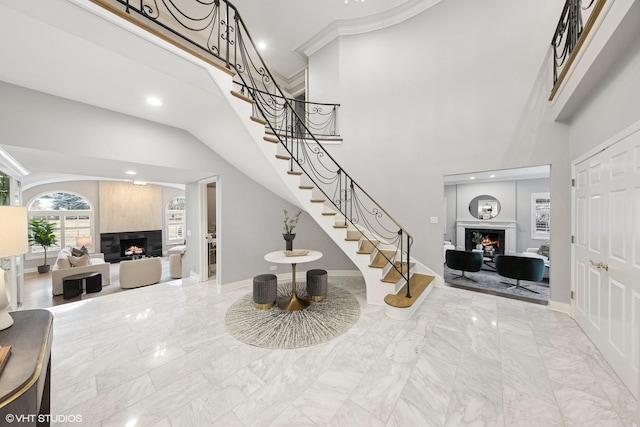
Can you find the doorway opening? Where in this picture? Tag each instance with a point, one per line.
(499, 212)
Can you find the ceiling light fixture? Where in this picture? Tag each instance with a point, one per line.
(139, 182)
(492, 176)
(357, 1)
(131, 172)
(472, 177)
(262, 45)
(152, 100)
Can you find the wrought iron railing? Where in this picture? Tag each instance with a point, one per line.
(321, 120)
(576, 21)
(216, 27)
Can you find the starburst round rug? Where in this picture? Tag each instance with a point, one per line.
(275, 328)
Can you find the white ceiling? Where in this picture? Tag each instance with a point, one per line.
(499, 175)
(54, 47)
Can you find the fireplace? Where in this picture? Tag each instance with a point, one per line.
(133, 247)
(493, 243)
(118, 247)
(502, 235)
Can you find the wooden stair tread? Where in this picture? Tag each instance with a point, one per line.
(305, 187)
(243, 97)
(317, 200)
(351, 239)
(340, 226)
(329, 213)
(294, 172)
(393, 275)
(258, 120)
(282, 157)
(419, 283)
(379, 261)
(271, 139)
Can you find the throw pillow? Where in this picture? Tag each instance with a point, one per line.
(79, 252)
(63, 262)
(80, 261)
(544, 249)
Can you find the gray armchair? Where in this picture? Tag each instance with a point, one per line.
(520, 268)
(464, 261)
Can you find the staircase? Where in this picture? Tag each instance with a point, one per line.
(375, 242)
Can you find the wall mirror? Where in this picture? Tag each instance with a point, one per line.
(484, 207)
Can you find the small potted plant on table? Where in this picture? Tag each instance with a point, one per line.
(290, 225)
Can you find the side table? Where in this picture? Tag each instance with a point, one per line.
(73, 285)
(25, 379)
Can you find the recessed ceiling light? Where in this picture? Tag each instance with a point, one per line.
(472, 177)
(262, 45)
(131, 172)
(492, 176)
(152, 100)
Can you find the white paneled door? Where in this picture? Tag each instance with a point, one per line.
(606, 303)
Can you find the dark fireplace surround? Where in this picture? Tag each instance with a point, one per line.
(494, 240)
(122, 246)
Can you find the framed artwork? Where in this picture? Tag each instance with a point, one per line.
(540, 216)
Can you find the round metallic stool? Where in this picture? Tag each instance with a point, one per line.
(265, 291)
(317, 285)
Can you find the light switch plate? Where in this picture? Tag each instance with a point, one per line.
(434, 220)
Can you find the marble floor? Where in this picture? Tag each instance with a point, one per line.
(161, 356)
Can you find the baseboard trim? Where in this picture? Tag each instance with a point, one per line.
(560, 307)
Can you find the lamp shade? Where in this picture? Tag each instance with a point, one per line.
(14, 234)
(83, 241)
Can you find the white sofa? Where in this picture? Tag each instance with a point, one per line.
(140, 272)
(62, 268)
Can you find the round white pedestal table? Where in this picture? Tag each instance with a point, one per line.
(279, 257)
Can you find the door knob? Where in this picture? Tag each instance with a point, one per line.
(600, 265)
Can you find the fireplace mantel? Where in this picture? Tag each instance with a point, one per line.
(509, 228)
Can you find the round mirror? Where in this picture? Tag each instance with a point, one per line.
(484, 207)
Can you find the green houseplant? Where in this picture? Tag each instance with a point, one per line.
(290, 223)
(41, 233)
(477, 238)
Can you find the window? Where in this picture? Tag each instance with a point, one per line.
(175, 220)
(540, 216)
(71, 214)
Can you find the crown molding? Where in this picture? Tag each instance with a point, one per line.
(344, 27)
(294, 85)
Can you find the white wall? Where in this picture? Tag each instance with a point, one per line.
(461, 87)
(250, 213)
(249, 227)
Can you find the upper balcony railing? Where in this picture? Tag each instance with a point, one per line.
(213, 29)
(576, 21)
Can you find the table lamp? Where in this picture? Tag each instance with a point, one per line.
(83, 241)
(13, 241)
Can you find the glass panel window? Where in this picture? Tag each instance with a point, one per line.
(175, 220)
(540, 216)
(71, 215)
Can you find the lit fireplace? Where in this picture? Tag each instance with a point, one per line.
(133, 247)
(134, 250)
(492, 244)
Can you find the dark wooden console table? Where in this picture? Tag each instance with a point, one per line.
(25, 379)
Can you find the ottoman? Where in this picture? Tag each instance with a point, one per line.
(317, 285)
(265, 291)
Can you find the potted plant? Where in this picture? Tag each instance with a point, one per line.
(477, 238)
(290, 225)
(41, 233)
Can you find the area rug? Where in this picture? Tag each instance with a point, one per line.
(491, 282)
(275, 328)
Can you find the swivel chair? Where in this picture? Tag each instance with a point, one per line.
(520, 268)
(464, 261)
